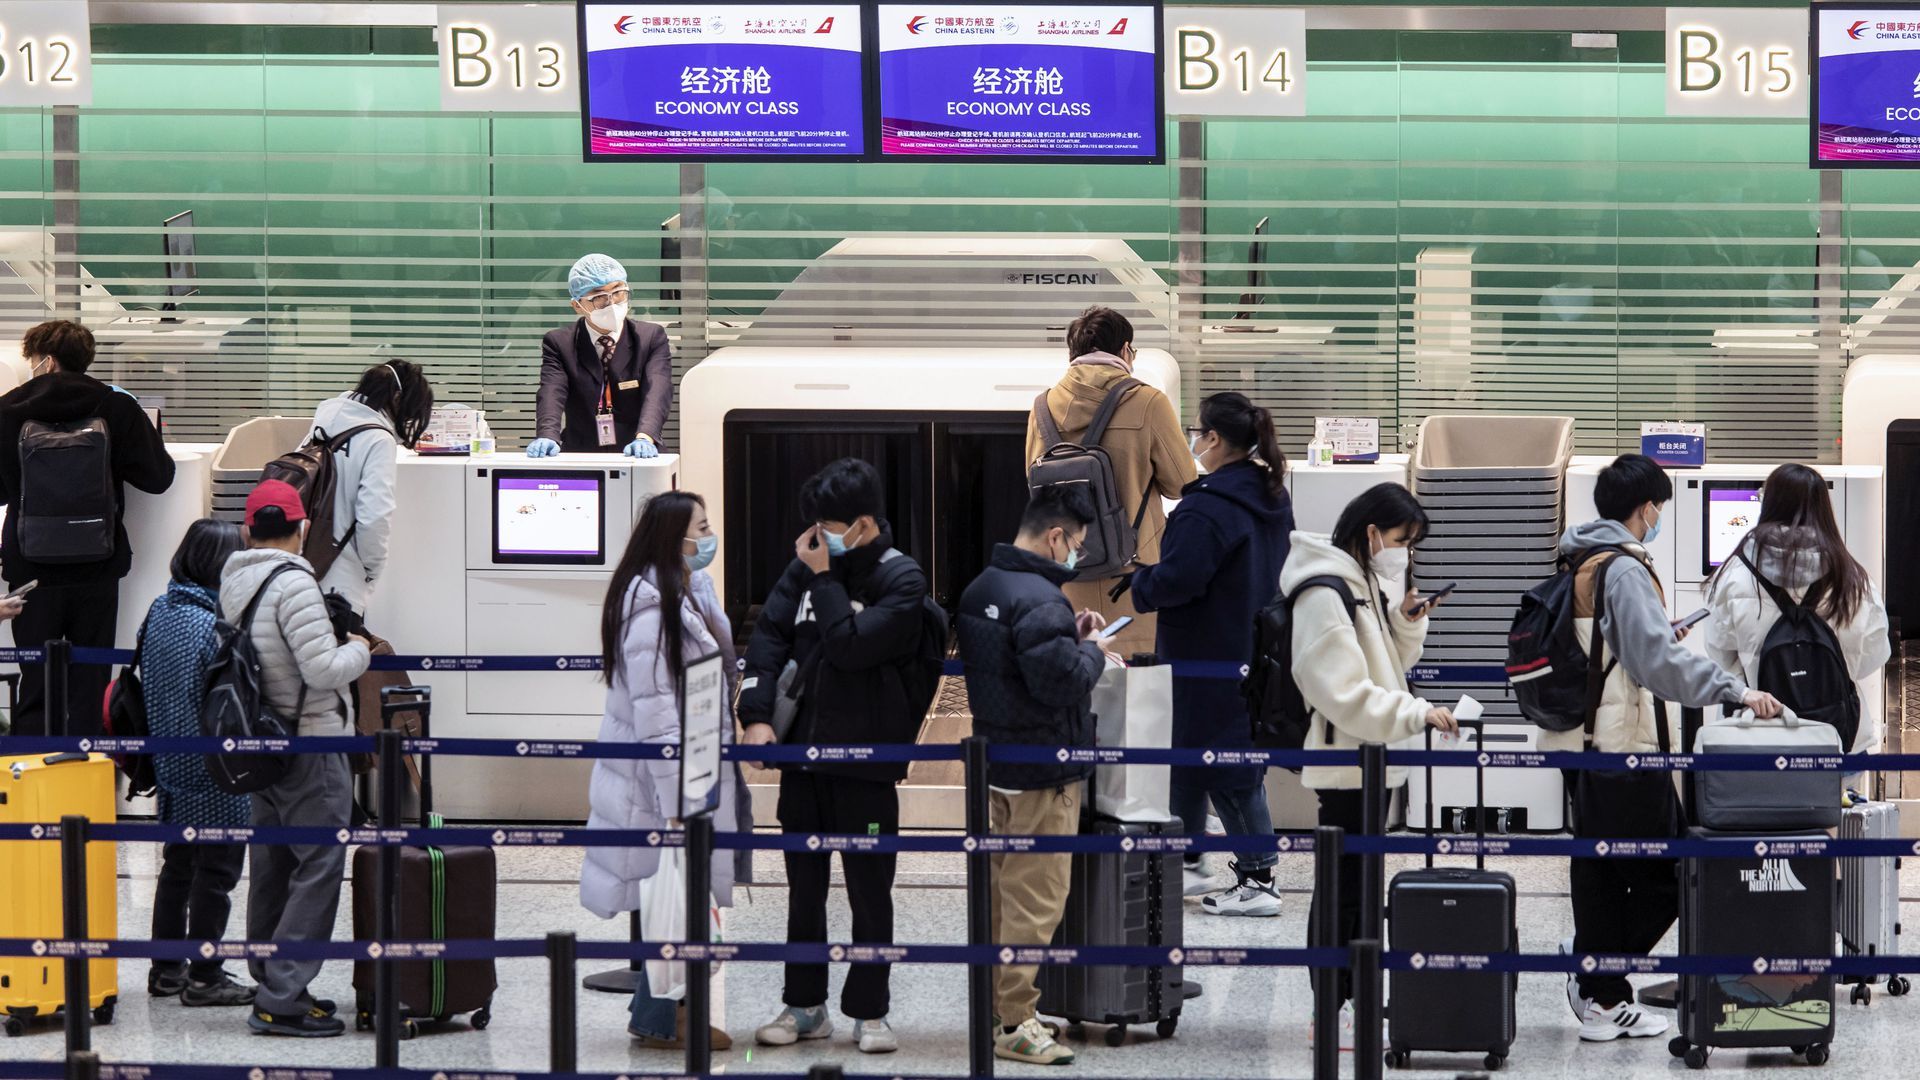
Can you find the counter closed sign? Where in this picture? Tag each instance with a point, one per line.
(717, 82)
(45, 53)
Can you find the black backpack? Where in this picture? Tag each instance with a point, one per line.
(1556, 682)
(126, 717)
(1802, 664)
(236, 708)
(310, 470)
(1112, 540)
(68, 508)
(1281, 718)
(920, 676)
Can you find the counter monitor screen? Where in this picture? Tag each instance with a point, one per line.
(1864, 104)
(723, 81)
(549, 516)
(1732, 509)
(1073, 83)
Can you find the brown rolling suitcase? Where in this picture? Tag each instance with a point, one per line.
(445, 894)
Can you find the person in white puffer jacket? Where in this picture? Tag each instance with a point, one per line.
(1352, 669)
(1796, 545)
(643, 653)
(393, 401)
(294, 891)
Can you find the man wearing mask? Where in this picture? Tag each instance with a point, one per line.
(607, 380)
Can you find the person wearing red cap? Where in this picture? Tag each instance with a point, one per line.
(294, 892)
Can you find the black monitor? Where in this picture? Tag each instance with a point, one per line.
(1256, 253)
(176, 241)
(670, 259)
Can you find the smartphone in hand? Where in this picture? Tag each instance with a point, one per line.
(1690, 621)
(22, 590)
(1434, 597)
(1111, 628)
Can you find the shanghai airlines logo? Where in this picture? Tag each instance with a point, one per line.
(1118, 28)
(1857, 29)
(826, 27)
(914, 24)
(621, 24)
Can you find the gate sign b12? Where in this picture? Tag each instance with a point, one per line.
(722, 82)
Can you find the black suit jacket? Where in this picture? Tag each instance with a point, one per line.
(571, 380)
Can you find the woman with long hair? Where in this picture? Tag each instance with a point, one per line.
(390, 406)
(661, 612)
(1796, 547)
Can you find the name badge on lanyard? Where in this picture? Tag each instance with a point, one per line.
(603, 419)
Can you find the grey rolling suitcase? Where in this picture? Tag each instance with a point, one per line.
(1870, 896)
(1122, 898)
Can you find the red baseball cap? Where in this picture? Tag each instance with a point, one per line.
(275, 493)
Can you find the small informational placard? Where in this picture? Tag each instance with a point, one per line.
(507, 58)
(1354, 439)
(46, 53)
(703, 718)
(450, 430)
(1236, 61)
(1675, 445)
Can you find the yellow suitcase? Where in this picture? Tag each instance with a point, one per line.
(36, 790)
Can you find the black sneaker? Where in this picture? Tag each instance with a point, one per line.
(304, 1025)
(220, 991)
(318, 1006)
(166, 982)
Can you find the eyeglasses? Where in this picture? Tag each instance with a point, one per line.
(599, 301)
(1195, 432)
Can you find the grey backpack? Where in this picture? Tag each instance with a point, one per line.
(1112, 540)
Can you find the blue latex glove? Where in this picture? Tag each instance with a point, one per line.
(543, 448)
(642, 448)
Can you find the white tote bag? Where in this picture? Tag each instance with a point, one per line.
(1133, 707)
(663, 918)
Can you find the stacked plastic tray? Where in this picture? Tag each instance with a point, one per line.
(237, 464)
(1494, 488)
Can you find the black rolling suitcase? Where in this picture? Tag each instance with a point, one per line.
(1452, 910)
(1756, 906)
(1119, 898)
(446, 894)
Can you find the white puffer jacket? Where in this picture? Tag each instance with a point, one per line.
(294, 638)
(1743, 614)
(1352, 674)
(643, 705)
(364, 474)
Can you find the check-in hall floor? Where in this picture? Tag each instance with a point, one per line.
(1250, 1023)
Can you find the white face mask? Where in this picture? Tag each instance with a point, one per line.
(1390, 564)
(607, 318)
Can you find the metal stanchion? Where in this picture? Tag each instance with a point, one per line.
(1373, 868)
(979, 914)
(73, 914)
(627, 979)
(699, 932)
(1328, 842)
(57, 671)
(83, 1065)
(386, 995)
(826, 1072)
(563, 1016)
(1369, 1010)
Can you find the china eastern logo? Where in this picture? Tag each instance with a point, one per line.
(622, 24)
(915, 24)
(1857, 29)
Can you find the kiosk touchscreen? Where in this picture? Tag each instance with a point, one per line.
(1732, 507)
(549, 516)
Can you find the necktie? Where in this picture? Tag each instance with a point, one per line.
(606, 352)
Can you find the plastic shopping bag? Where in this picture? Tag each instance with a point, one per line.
(663, 917)
(1133, 707)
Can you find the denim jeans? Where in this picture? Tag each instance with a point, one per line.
(651, 1015)
(1244, 813)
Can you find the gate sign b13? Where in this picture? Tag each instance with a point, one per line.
(1020, 83)
(722, 82)
(1866, 89)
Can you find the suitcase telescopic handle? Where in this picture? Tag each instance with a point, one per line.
(418, 699)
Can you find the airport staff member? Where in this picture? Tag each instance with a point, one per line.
(607, 380)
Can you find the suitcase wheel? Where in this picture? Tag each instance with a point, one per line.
(1697, 1057)
(15, 1027)
(1116, 1034)
(1862, 994)
(481, 1018)
(103, 1015)
(1397, 1059)
(1898, 986)
(409, 1029)
(1494, 1062)
(1817, 1054)
(1167, 1027)
(1678, 1046)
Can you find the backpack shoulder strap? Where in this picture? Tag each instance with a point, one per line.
(253, 605)
(1774, 592)
(1115, 394)
(339, 442)
(1327, 581)
(1597, 672)
(1043, 419)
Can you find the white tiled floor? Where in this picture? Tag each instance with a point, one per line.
(1250, 1023)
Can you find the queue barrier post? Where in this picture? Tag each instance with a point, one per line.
(1324, 932)
(699, 854)
(979, 913)
(58, 686)
(1369, 1009)
(1373, 797)
(624, 980)
(386, 990)
(826, 1072)
(83, 1065)
(73, 917)
(563, 1018)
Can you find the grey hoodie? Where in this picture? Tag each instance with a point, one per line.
(1638, 632)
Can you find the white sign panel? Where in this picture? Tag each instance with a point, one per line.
(46, 53)
(703, 715)
(1235, 61)
(1737, 62)
(496, 58)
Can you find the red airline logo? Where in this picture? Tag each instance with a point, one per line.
(826, 27)
(1118, 28)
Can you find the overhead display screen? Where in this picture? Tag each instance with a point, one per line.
(1020, 83)
(722, 82)
(1866, 86)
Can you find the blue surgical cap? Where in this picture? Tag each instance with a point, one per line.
(593, 272)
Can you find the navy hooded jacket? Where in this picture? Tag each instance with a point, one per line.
(1219, 565)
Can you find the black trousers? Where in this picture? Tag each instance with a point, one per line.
(1622, 905)
(85, 615)
(194, 898)
(1346, 809)
(812, 803)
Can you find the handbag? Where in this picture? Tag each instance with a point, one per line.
(1133, 707)
(663, 919)
(788, 692)
(125, 716)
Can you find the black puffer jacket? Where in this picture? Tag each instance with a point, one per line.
(863, 617)
(1028, 673)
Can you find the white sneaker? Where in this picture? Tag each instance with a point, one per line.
(1214, 827)
(876, 1037)
(1031, 1043)
(793, 1025)
(1574, 1001)
(1346, 1029)
(1605, 1025)
(1250, 896)
(1198, 881)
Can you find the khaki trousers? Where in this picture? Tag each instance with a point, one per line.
(1029, 891)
